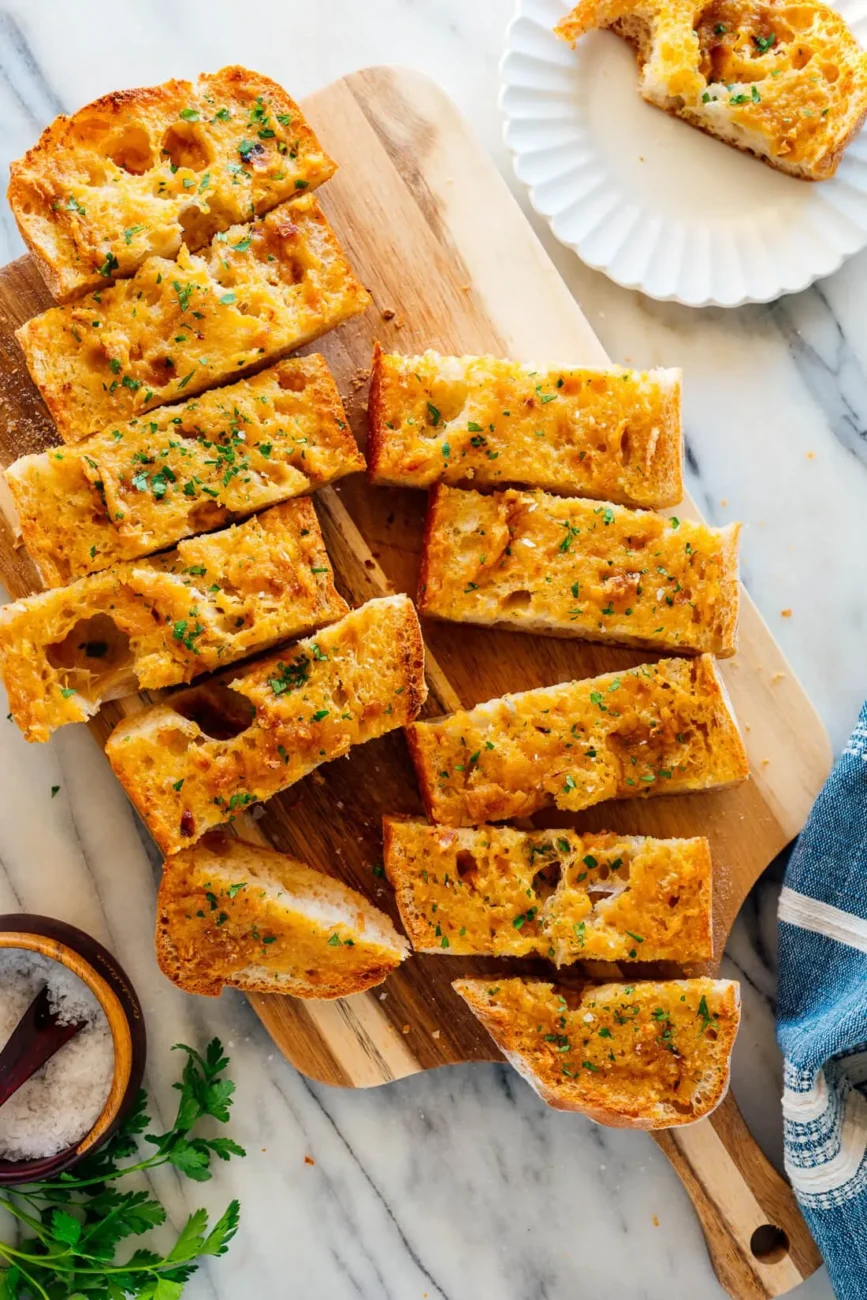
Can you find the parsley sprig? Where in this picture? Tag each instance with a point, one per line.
(71, 1226)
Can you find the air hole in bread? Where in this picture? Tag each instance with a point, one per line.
(93, 657)
(517, 600)
(799, 17)
(625, 446)
(183, 147)
(294, 381)
(830, 72)
(130, 150)
(467, 866)
(801, 56)
(217, 710)
(200, 227)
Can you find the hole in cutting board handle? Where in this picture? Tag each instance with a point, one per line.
(769, 1244)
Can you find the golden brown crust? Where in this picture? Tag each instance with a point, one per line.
(258, 291)
(142, 171)
(646, 1055)
(786, 84)
(494, 891)
(608, 434)
(194, 761)
(563, 566)
(153, 623)
(663, 728)
(232, 913)
(138, 487)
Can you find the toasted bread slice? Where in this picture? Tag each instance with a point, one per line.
(188, 764)
(258, 291)
(494, 891)
(663, 728)
(563, 566)
(786, 83)
(153, 623)
(646, 1055)
(233, 913)
(142, 486)
(139, 172)
(610, 434)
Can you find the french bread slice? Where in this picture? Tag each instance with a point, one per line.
(157, 622)
(139, 172)
(232, 913)
(141, 486)
(662, 728)
(646, 1055)
(192, 762)
(499, 892)
(562, 566)
(610, 434)
(256, 292)
(786, 83)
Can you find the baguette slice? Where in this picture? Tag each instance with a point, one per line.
(494, 891)
(153, 623)
(139, 172)
(258, 291)
(562, 566)
(646, 1055)
(233, 913)
(610, 434)
(663, 728)
(190, 763)
(142, 486)
(786, 83)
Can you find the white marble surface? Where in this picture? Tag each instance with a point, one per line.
(459, 1184)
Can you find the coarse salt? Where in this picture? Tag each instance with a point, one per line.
(62, 1101)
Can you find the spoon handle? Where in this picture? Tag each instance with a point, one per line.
(33, 1041)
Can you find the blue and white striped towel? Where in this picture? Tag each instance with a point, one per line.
(822, 1019)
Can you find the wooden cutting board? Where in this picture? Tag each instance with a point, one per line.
(433, 232)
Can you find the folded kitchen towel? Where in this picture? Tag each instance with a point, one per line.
(822, 1019)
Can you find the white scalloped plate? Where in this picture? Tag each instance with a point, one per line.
(655, 204)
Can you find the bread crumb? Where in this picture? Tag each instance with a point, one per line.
(360, 377)
(435, 1033)
(765, 762)
(388, 313)
(778, 677)
(723, 502)
(308, 1160)
(655, 1221)
(465, 288)
(399, 323)
(405, 1029)
(811, 455)
(785, 613)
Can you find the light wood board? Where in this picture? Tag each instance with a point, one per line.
(452, 264)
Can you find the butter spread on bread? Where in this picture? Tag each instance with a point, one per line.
(562, 566)
(661, 728)
(204, 754)
(230, 912)
(258, 291)
(494, 891)
(152, 623)
(139, 172)
(648, 1055)
(611, 434)
(141, 486)
(787, 82)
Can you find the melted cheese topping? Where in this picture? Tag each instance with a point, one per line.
(141, 486)
(155, 623)
(611, 434)
(656, 1052)
(662, 728)
(260, 290)
(504, 893)
(140, 172)
(560, 565)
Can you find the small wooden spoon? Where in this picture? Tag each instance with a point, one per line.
(34, 1040)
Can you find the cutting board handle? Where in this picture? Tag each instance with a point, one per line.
(758, 1241)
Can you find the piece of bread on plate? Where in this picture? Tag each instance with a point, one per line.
(661, 728)
(158, 622)
(647, 1055)
(232, 913)
(785, 82)
(139, 172)
(195, 760)
(256, 292)
(611, 434)
(141, 486)
(563, 566)
(499, 892)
